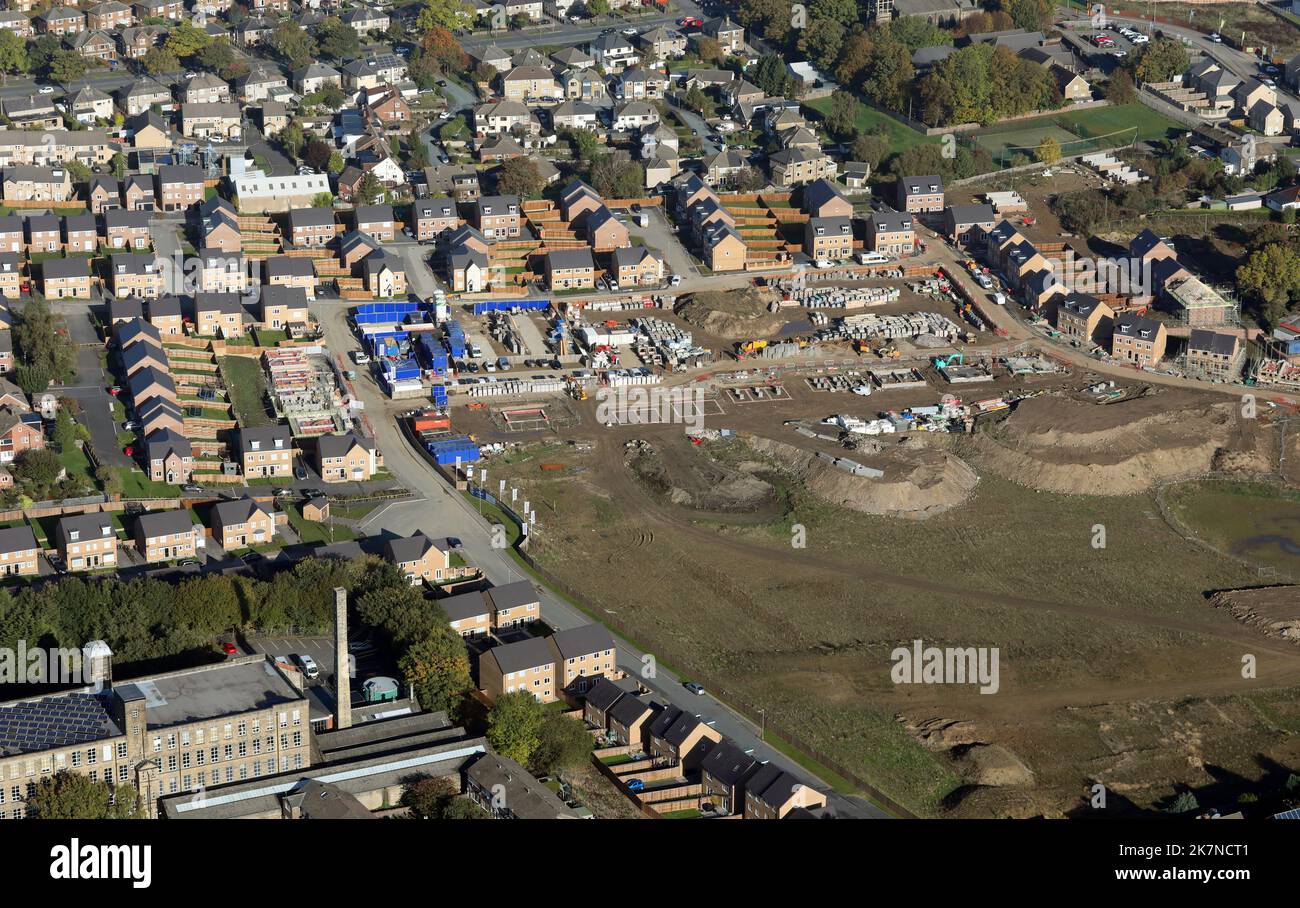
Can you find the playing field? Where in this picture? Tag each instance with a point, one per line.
(1077, 131)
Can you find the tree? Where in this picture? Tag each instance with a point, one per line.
(1185, 803)
(771, 75)
(462, 808)
(39, 467)
(841, 119)
(438, 668)
(65, 431)
(1159, 61)
(615, 179)
(1048, 151)
(292, 138)
(40, 341)
(184, 40)
(916, 33)
(322, 200)
(335, 40)
(519, 176)
(1031, 15)
(292, 42)
(562, 743)
(72, 796)
(1270, 278)
(448, 14)
(217, 55)
(441, 46)
(822, 41)
(13, 54)
(67, 65)
(109, 480)
(887, 76)
(708, 49)
(870, 148)
(335, 163)
(428, 798)
(159, 60)
(118, 165)
(515, 724)
(696, 99)
(317, 154)
(417, 156)
(1120, 89)
(597, 7)
(369, 190)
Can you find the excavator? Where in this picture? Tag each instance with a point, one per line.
(942, 362)
(749, 348)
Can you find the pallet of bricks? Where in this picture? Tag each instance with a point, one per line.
(289, 371)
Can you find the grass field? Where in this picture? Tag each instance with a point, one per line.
(1256, 522)
(900, 137)
(812, 647)
(1077, 131)
(247, 387)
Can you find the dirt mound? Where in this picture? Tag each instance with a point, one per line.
(697, 483)
(1059, 444)
(730, 314)
(919, 484)
(992, 764)
(1275, 610)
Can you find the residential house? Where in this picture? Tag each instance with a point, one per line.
(966, 224)
(729, 35)
(583, 655)
(632, 116)
(434, 218)
(168, 456)
(629, 721)
(723, 774)
(218, 121)
(570, 269)
(283, 306)
(419, 557)
(166, 535)
(793, 166)
(637, 266)
(824, 199)
(135, 275)
(526, 665)
(724, 249)
(90, 104)
(19, 552)
(346, 458)
(291, 271)
(514, 604)
(1214, 356)
(165, 315)
(60, 20)
(221, 272)
(65, 278)
(19, 433)
(772, 793)
(87, 541)
(384, 275)
(138, 193)
(496, 217)
(218, 314)
(126, 229)
(891, 232)
(103, 193)
(179, 186)
(1138, 340)
(920, 195)
(828, 239)
(266, 451)
(311, 226)
(36, 184)
(1084, 318)
(377, 221)
(148, 383)
(44, 233)
(241, 524)
(680, 739)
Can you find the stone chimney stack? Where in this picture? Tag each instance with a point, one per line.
(98, 668)
(342, 664)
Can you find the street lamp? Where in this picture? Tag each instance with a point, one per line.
(762, 728)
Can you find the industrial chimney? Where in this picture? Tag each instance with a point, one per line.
(342, 664)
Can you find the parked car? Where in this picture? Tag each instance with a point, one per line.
(694, 687)
(299, 472)
(309, 666)
(228, 648)
(130, 425)
(635, 785)
(1216, 38)
(191, 487)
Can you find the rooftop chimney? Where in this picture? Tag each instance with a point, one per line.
(342, 665)
(98, 664)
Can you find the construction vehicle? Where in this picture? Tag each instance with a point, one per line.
(749, 348)
(943, 362)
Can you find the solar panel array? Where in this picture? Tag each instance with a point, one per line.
(1293, 814)
(53, 722)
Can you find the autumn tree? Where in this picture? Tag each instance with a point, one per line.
(515, 724)
(519, 176)
(73, 796)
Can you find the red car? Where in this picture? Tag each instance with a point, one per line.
(229, 649)
(115, 390)
(691, 22)
(129, 450)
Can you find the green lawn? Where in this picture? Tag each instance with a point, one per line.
(616, 759)
(75, 462)
(137, 485)
(690, 813)
(354, 511)
(247, 388)
(900, 137)
(310, 531)
(1107, 127)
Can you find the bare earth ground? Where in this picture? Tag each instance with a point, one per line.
(1114, 666)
